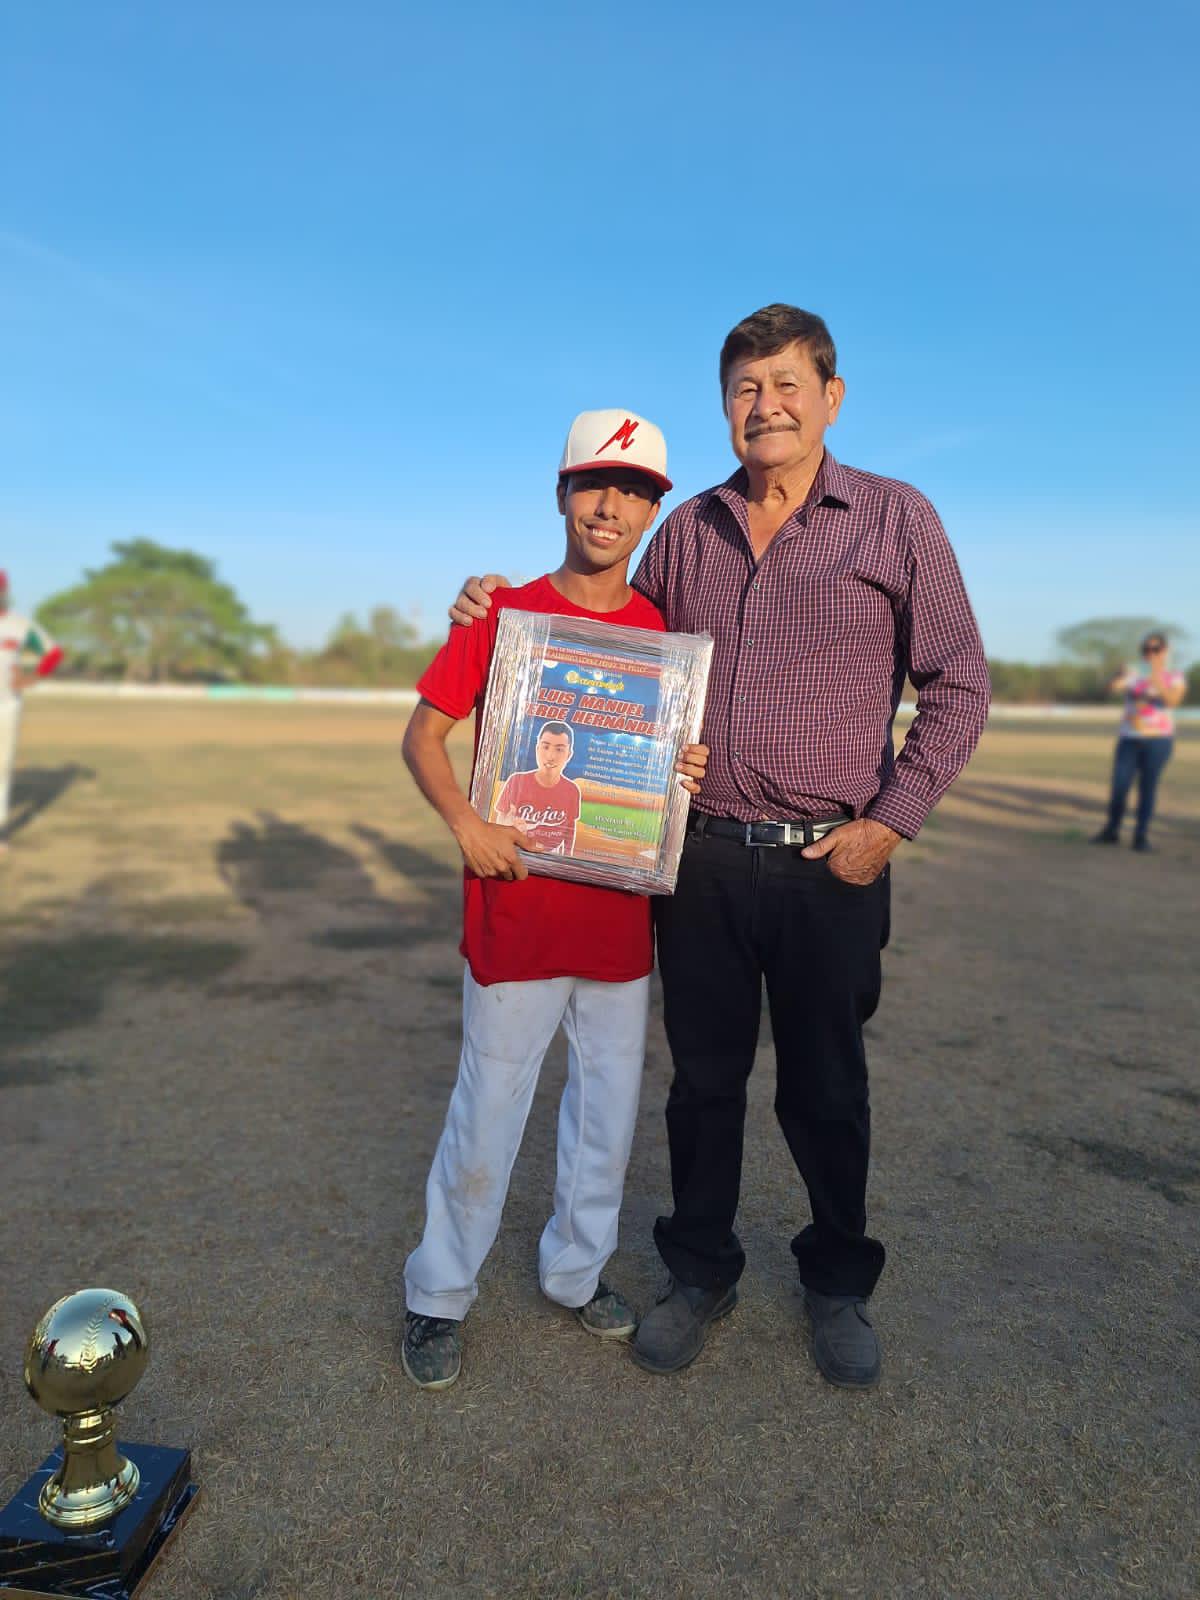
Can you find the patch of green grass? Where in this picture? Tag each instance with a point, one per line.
(622, 822)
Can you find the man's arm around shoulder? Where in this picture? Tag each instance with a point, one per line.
(474, 599)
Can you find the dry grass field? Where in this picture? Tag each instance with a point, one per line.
(228, 1030)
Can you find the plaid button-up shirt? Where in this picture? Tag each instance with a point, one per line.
(813, 641)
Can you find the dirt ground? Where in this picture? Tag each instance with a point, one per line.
(229, 997)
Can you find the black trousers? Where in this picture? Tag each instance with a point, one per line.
(740, 915)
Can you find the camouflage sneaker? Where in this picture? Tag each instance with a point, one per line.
(607, 1315)
(432, 1350)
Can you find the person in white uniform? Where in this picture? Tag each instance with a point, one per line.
(27, 652)
(541, 952)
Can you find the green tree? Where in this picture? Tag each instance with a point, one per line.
(1048, 682)
(153, 613)
(1106, 643)
(387, 651)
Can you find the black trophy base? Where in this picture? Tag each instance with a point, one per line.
(106, 1563)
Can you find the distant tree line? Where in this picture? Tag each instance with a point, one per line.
(1094, 652)
(155, 615)
(384, 652)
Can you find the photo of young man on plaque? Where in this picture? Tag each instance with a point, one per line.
(544, 802)
(581, 732)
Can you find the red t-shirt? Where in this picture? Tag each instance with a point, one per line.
(540, 927)
(549, 814)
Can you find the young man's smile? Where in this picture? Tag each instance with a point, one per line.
(607, 511)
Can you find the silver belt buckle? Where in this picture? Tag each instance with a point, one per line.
(757, 844)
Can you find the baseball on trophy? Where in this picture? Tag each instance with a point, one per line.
(86, 1355)
(93, 1518)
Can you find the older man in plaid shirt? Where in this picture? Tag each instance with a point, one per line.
(823, 587)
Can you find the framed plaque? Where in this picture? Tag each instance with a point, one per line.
(582, 726)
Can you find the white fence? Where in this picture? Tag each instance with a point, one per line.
(280, 695)
(286, 695)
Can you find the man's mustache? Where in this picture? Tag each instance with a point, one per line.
(787, 427)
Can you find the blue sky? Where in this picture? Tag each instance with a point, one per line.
(317, 289)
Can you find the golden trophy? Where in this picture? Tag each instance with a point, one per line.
(95, 1516)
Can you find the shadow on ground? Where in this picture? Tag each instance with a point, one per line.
(1019, 800)
(415, 864)
(296, 880)
(49, 986)
(276, 857)
(36, 789)
(1172, 1177)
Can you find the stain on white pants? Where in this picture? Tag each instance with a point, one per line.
(507, 1029)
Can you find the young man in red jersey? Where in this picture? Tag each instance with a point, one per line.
(541, 952)
(544, 803)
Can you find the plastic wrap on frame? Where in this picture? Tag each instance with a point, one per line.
(631, 699)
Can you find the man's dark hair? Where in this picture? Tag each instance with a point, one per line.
(767, 332)
(557, 727)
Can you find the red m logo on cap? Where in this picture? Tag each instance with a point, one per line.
(625, 433)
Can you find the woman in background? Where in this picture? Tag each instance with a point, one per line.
(1146, 739)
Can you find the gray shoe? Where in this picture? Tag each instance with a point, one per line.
(672, 1335)
(845, 1346)
(607, 1314)
(432, 1350)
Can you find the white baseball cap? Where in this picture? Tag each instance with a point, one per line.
(615, 439)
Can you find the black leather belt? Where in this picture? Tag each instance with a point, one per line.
(763, 833)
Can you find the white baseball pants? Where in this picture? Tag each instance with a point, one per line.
(10, 727)
(507, 1029)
